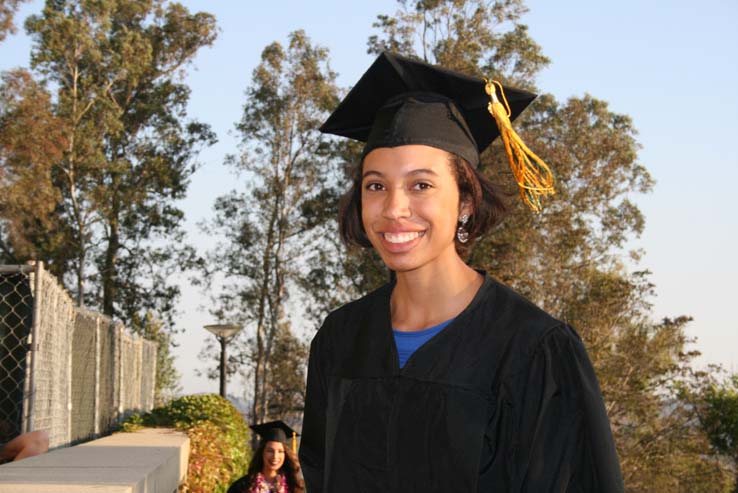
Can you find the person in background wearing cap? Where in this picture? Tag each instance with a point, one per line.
(274, 467)
(444, 380)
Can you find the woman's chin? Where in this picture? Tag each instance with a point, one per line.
(393, 263)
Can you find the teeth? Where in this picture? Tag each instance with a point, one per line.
(401, 237)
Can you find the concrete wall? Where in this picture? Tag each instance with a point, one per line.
(146, 461)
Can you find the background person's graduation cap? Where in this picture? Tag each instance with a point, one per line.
(401, 101)
(276, 431)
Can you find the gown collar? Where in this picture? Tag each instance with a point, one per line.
(374, 353)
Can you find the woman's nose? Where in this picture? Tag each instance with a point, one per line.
(396, 204)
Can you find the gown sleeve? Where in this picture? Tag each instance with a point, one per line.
(563, 438)
(312, 443)
(241, 485)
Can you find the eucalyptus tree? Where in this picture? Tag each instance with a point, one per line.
(272, 226)
(114, 70)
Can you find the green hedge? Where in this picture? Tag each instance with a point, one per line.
(219, 438)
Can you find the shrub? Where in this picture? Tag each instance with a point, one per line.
(219, 437)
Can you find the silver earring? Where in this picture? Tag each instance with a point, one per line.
(461, 234)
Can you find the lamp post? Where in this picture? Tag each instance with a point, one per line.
(224, 333)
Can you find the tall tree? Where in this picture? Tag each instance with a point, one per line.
(129, 149)
(268, 237)
(570, 257)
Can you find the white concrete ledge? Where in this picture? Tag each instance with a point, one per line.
(151, 460)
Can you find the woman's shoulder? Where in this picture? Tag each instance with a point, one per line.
(517, 319)
(241, 485)
(535, 332)
(369, 301)
(509, 304)
(372, 304)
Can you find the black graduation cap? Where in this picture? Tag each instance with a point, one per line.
(273, 431)
(401, 101)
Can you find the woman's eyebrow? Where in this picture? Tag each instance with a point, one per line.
(371, 173)
(418, 171)
(423, 171)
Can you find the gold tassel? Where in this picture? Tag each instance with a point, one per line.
(534, 178)
(294, 442)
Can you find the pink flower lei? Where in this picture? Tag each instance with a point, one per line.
(264, 486)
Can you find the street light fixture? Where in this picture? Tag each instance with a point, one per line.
(224, 333)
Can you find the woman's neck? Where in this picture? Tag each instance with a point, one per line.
(269, 475)
(433, 294)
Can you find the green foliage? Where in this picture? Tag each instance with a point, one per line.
(132, 423)
(719, 416)
(716, 405)
(219, 451)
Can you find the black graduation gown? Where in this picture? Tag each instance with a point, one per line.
(503, 399)
(241, 485)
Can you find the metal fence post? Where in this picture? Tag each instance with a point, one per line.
(96, 397)
(37, 300)
(29, 393)
(70, 372)
(119, 367)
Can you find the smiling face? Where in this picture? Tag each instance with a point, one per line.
(273, 456)
(410, 206)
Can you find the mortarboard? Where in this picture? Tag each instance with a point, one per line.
(276, 431)
(401, 101)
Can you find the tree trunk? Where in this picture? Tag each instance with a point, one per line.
(81, 276)
(260, 369)
(110, 268)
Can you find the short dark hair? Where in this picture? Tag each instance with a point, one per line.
(484, 197)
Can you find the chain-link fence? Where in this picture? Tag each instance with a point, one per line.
(16, 314)
(69, 371)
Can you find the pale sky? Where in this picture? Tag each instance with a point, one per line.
(671, 65)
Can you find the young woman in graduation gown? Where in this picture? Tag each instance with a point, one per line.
(274, 468)
(494, 394)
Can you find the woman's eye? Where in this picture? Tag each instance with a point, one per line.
(373, 187)
(422, 185)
